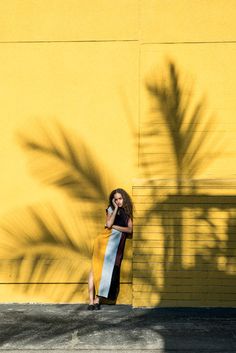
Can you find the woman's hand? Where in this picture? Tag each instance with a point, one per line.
(114, 203)
(111, 217)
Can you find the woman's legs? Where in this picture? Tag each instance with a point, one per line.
(91, 290)
(91, 287)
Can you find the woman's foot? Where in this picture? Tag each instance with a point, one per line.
(90, 307)
(96, 303)
(97, 306)
(96, 300)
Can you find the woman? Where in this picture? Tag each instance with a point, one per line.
(109, 248)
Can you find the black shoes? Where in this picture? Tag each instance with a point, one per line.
(94, 306)
(97, 306)
(90, 307)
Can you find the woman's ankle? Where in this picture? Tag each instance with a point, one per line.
(96, 300)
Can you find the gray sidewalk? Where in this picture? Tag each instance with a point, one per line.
(39, 328)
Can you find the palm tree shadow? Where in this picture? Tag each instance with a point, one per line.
(43, 245)
(177, 143)
(61, 159)
(43, 250)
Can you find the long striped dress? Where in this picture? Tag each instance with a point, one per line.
(107, 257)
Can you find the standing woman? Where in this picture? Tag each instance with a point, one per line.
(108, 249)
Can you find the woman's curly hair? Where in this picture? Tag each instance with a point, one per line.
(127, 202)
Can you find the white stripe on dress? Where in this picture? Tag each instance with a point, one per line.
(109, 262)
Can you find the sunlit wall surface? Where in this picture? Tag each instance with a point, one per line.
(134, 94)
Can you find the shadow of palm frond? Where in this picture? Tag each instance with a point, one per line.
(40, 248)
(178, 139)
(47, 247)
(63, 160)
(177, 142)
(179, 129)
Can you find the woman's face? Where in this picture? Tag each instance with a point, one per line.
(118, 199)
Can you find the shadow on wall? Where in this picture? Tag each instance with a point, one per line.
(184, 243)
(45, 247)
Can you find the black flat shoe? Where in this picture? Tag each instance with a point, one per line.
(90, 307)
(97, 306)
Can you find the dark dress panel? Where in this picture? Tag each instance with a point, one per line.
(121, 220)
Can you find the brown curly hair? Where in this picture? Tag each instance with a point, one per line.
(127, 202)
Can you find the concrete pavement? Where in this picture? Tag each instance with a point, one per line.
(115, 328)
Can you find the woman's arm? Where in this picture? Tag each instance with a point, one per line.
(111, 217)
(128, 229)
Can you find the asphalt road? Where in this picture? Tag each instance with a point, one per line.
(39, 328)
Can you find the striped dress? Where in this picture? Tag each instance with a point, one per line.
(107, 257)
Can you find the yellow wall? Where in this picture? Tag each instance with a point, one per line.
(65, 74)
(79, 71)
(184, 244)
